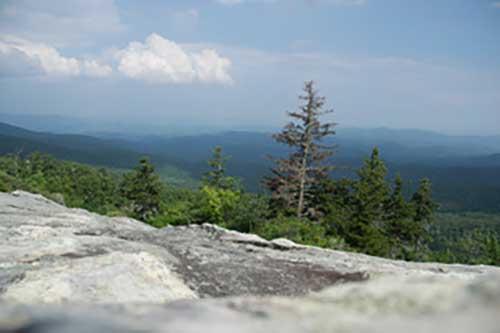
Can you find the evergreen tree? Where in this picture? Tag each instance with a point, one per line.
(371, 192)
(397, 221)
(216, 176)
(143, 189)
(334, 200)
(294, 179)
(220, 194)
(423, 207)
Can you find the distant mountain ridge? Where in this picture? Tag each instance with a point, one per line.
(79, 148)
(461, 145)
(86, 149)
(398, 146)
(463, 180)
(45, 123)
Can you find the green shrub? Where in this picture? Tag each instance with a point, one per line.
(217, 205)
(6, 182)
(251, 211)
(301, 231)
(177, 213)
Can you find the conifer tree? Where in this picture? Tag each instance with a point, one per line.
(216, 176)
(371, 191)
(220, 193)
(397, 220)
(334, 200)
(423, 215)
(295, 178)
(142, 188)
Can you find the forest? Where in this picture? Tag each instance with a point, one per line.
(373, 212)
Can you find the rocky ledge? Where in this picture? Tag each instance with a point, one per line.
(68, 270)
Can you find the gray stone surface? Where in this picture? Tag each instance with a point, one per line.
(68, 270)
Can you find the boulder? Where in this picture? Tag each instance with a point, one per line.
(67, 269)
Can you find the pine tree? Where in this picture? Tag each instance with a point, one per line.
(220, 193)
(371, 192)
(216, 176)
(334, 199)
(423, 216)
(397, 220)
(143, 189)
(295, 178)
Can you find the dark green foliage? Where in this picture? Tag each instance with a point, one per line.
(398, 222)
(423, 207)
(456, 224)
(70, 183)
(6, 182)
(336, 201)
(142, 191)
(372, 218)
(371, 192)
(251, 211)
(476, 247)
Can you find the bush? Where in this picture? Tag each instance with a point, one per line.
(250, 212)
(6, 182)
(301, 231)
(178, 213)
(217, 205)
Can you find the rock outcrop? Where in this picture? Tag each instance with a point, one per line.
(68, 270)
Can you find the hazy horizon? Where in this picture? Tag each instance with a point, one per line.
(69, 125)
(218, 65)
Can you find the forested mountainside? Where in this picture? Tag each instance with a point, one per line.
(78, 148)
(464, 180)
(84, 149)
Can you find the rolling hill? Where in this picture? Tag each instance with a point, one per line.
(84, 149)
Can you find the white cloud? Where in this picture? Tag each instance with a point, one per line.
(163, 61)
(16, 63)
(38, 58)
(93, 69)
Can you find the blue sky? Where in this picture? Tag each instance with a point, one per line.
(152, 66)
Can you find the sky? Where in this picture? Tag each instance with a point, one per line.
(154, 66)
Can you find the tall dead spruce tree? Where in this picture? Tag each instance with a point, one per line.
(294, 179)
